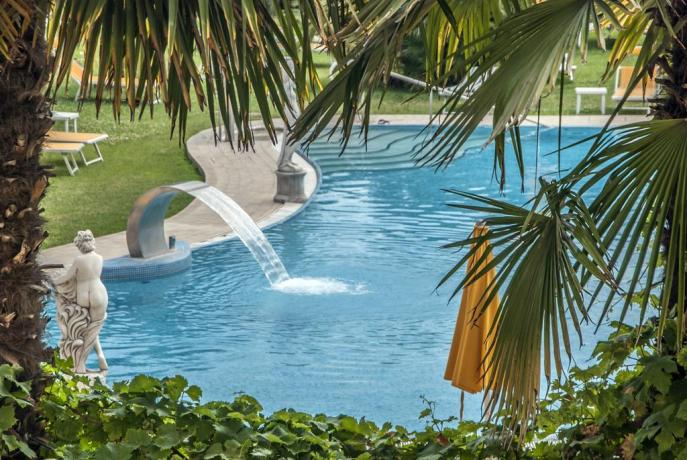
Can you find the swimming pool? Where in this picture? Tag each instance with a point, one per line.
(377, 224)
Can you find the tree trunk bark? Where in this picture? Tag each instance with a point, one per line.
(24, 122)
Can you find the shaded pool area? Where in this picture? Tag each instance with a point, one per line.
(369, 352)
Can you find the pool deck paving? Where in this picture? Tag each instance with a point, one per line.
(249, 178)
(546, 120)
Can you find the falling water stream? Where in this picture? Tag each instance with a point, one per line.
(246, 229)
(261, 249)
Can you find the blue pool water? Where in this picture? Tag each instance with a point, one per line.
(377, 224)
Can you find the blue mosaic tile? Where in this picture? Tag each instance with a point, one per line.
(132, 269)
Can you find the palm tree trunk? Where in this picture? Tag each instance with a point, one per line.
(673, 101)
(24, 122)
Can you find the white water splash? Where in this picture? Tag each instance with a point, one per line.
(317, 286)
(256, 241)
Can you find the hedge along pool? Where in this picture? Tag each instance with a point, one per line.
(374, 349)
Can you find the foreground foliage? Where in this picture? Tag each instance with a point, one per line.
(568, 241)
(511, 52)
(163, 418)
(631, 403)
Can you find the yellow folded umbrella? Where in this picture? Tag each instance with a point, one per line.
(466, 367)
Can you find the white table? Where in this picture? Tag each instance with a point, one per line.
(66, 117)
(582, 91)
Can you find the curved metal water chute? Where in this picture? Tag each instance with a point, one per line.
(145, 234)
(145, 230)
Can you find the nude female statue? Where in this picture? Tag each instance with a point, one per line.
(82, 304)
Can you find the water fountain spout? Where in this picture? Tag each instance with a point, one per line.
(145, 230)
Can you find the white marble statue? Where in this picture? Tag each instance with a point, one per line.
(82, 305)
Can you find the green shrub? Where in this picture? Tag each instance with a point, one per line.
(15, 396)
(630, 403)
(412, 57)
(164, 418)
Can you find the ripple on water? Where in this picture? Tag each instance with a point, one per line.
(360, 328)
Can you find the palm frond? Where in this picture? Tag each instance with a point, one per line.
(634, 26)
(190, 51)
(520, 63)
(456, 28)
(537, 255)
(643, 167)
(373, 40)
(513, 62)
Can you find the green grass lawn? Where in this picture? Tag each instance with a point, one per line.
(396, 101)
(140, 155)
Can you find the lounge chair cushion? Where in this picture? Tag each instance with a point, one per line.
(64, 147)
(83, 138)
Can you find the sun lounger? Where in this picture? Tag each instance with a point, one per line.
(640, 93)
(82, 138)
(67, 150)
(67, 117)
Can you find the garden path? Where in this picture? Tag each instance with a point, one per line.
(247, 177)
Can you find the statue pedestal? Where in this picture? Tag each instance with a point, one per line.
(290, 184)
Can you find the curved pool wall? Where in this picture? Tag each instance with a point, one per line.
(387, 148)
(372, 353)
(170, 262)
(127, 268)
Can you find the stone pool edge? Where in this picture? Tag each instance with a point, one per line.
(286, 211)
(568, 121)
(113, 246)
